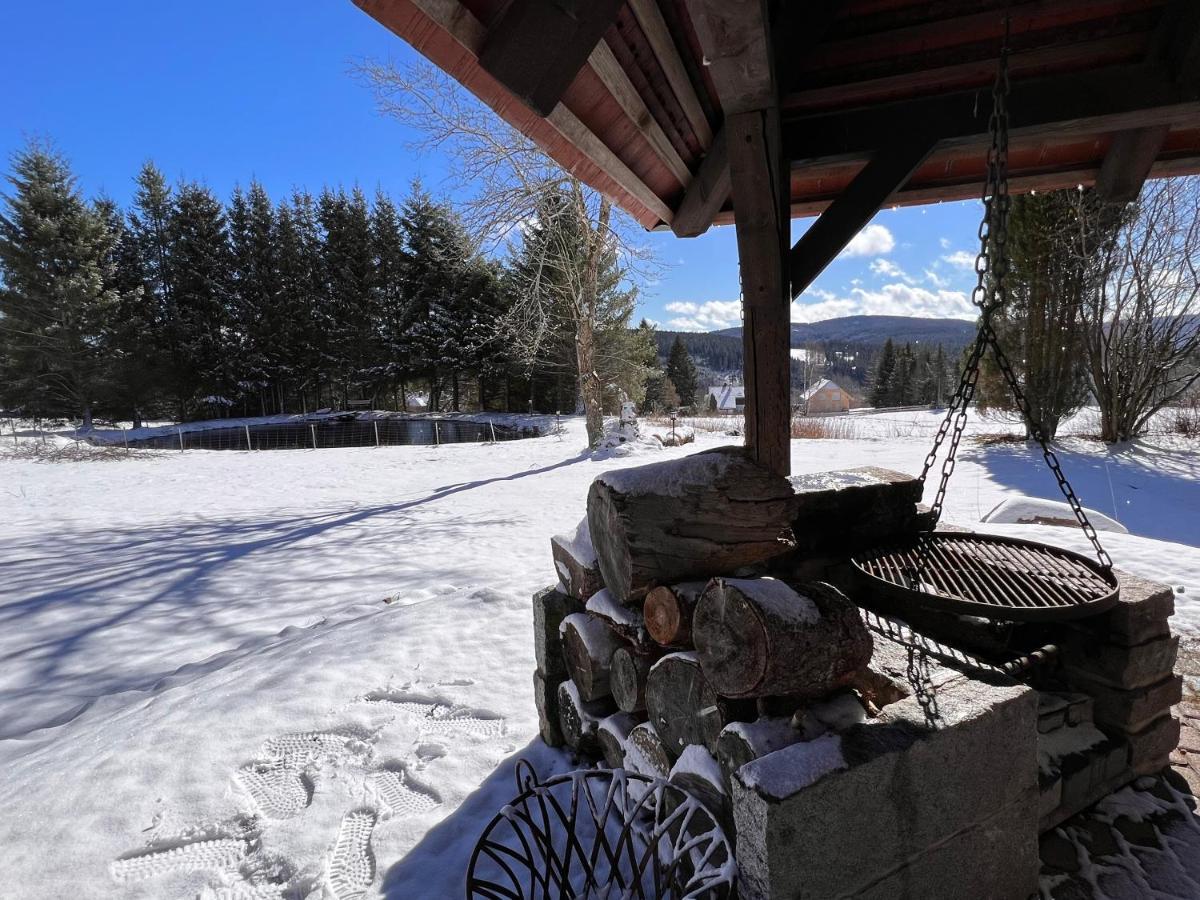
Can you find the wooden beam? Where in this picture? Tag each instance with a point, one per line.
(1104, 100)
(538, 46)
(609, 71)
(460, 23)
(886, 173)
(707, 193)
(1131, 153)
(758, 179)
(737, 52)
(1127, 163)
(658, 35)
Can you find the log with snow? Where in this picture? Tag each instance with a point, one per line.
(761, 636)
(588, 645)
(575, 562)
(711, 513)
(628, 675)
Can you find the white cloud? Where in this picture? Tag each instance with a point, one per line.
(961, 259)
(945, 242)
(710, 315)
(873, 240)
(895, 299)
(935, 279)
(886, 268)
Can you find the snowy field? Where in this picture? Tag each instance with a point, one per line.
(183, 632)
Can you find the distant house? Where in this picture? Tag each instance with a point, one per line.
(727, 398)
(825, 397)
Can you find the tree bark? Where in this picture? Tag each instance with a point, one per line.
(579, 720)
(629, 672)
(756, 637)
(711, 513)
(683, 706)
(744, 742)
(646, 753)
(575, 562)
(668, 612)
(612, 734)
(588, 646)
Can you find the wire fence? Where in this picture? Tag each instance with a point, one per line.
(327, 433)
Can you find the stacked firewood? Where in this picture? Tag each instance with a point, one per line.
(669, 650)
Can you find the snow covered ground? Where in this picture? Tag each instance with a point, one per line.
(223, 671)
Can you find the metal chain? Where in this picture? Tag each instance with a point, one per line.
(990, 294)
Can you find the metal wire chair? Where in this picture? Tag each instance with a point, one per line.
(601, 833)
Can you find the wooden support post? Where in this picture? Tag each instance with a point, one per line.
(758, 179)
(735, 36)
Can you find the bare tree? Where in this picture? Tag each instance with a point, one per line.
(1142, 307)
(509, 182)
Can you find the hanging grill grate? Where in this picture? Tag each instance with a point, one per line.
(983, 575)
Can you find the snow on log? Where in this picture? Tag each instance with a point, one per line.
(760, 636)
(630, 669)
(624, 620)
(699, 775)
(645, 752)
(706, 514)
(612, 733)
(683, 706)
(668, 612)
(588, 645)
(742, 742)
(575, 562)
(579, 720)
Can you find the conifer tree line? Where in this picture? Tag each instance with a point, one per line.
(908, 376)
(185, 306)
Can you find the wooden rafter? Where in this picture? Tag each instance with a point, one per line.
(537, 47)
(652, 23)
(1105, 100)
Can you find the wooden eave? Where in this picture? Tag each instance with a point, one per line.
(639, 118)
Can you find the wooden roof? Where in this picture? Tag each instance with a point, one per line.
(618, 92)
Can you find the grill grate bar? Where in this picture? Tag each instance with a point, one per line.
(1002, 578)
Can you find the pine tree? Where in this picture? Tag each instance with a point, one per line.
(682, 372)
(56, 299)
(881, 380)
(201, 375)
(259, 322)
(390, 299)
(299, 257)
(348, 273)
(129, 341)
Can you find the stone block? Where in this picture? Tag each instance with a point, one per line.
(853, 507)
(1130, 711)
(1140, 615)
(545, 696)
(1086, 659)
(550, 607)
(1151, 747)
(995, 857)
(958, 772)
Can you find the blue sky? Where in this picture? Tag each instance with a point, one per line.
(225, 91)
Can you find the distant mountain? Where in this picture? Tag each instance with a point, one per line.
(952, 333)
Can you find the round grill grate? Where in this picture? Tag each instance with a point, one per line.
(985, 575)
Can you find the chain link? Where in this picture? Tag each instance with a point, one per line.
(990, 294)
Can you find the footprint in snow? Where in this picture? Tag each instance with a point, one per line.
(279, 791)
(438, 716)
(400, 794)
(350, 866)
